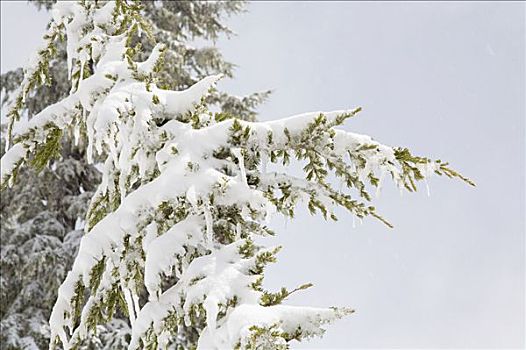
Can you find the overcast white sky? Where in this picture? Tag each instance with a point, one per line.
(445, 79)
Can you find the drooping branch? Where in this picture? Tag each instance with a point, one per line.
(170, 230)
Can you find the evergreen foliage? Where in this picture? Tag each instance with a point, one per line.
(173, 250)
(45, 209)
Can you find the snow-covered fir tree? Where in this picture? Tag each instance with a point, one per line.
(42, 215)
(175, 232)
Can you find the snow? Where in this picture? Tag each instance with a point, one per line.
(241, 160)
(162, 250)
(178, 102)
(220, 276)
(62, 13)
(104, 15)
(10, 160)
(154, 158)
(80, 224)
(148, 65)
(288, 319)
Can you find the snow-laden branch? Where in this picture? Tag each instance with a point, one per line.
(183, 193)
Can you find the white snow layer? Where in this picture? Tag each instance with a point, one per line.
(11, 160)
(149, 164)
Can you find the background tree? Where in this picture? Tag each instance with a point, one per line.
(42, 215)
(185, 194)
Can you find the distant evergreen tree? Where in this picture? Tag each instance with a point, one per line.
(42, 215)
(173, 255)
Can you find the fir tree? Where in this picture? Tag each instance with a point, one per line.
(175, 230)
(42, 215)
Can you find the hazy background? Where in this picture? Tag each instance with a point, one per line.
(448, 81)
